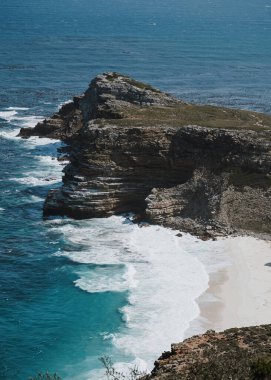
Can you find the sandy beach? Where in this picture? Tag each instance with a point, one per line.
(239, 295)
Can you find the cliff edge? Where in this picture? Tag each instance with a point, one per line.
(242, 354)
(200, 169)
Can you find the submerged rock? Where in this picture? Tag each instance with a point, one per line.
(133, 148)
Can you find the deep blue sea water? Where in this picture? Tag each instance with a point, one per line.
(74, 291)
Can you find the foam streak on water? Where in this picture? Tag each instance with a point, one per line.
(74, 291)
(161, 273)
(47, 171)
(17, 117)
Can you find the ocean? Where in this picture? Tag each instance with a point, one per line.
(74, 291)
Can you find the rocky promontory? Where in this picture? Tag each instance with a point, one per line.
(237, 354)
(200, 169)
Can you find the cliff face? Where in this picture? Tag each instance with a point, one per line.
(241, 354)
(200, 169)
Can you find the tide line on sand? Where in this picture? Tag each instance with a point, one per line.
(240, 294)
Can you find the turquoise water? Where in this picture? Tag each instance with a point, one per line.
(74, 291)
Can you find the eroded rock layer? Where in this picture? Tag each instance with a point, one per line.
(201, 169)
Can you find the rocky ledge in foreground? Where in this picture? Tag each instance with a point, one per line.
(133, 148)
(242, 354)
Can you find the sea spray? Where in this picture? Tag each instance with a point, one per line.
(161, 279)
(159, 274)
(205, 53)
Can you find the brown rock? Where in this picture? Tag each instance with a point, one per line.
(201, 169)
(239, 354)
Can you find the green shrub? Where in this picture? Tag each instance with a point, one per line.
(112, 374)
(45, 376)
(261, 368)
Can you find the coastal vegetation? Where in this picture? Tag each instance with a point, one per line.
(237, 366)
(235, 354)
(111, 373)
(46, 376)
(179, 115)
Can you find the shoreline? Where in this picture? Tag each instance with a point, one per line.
(239, 294)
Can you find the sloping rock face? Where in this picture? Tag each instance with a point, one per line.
(201, 169)
(239, 354)
(62, 125)
(108, 96)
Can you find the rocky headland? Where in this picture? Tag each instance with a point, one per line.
(237, 354)
(132, 148)
(200, 169)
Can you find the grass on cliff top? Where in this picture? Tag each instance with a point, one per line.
(190, 114)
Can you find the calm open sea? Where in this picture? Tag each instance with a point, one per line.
(72, 291)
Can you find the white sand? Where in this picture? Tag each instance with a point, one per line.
(240, 295)
(246, 294)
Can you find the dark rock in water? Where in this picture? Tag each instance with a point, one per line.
(62, 125)
(239, 354)
(133, 148)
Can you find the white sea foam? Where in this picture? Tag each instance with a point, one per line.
(8, 115)
(48, 170)
(13, 115)
(35, 198)
(162, 274)
(27, 121)
(51, 161)
(18, 108)
(19, 120)
(65, 102)
(161, 307)
(107, 279)
(11, 134)
(34, 181)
